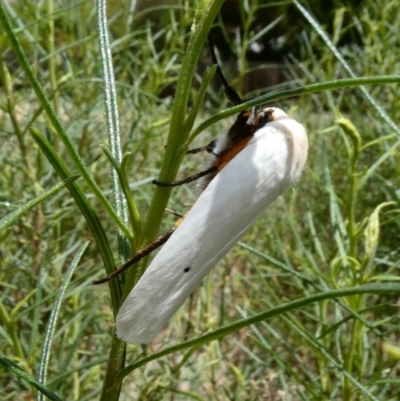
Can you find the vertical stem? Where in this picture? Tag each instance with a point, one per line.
(326, 382)
(352, 133)
(178, 136)
(50, 51)
(175, 151)
(52, 62)
(116, 361)
(352, 225)
(7, 87)
(117, 353)
(247, 20)
(112, 116)
(348, 363)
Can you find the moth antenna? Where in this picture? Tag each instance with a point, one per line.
(140, 255)
(230, 93)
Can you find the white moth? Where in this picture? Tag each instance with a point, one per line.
(270, 162)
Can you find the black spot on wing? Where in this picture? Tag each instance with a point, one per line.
(186, 269)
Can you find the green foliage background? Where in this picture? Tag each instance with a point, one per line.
(337, 230)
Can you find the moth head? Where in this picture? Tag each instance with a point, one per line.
(268, 115)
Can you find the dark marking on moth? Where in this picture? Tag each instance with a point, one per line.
(186, 269)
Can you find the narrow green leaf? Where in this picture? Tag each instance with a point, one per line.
(305, 90)
(7, 220)
(132, 207)
(318, 28)
(87, 211)
(51, 324)
(259, 317)
(372, 229)
(11, 366)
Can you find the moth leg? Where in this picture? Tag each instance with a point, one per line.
(230, 93)
(195, 177)
(208, 148)
(174, 213)
(140, 255)
(197, 150)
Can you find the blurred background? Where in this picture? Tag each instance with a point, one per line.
(338, 228)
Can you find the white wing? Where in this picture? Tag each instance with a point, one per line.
(272, 160)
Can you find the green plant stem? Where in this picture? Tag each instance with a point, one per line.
(52, 322)
(10, 365)
(326, 382)
(177, 138)
(112, 117)
(50, 51)
(247, 20)
(305, 90)
(111, 387)
(353, 235)
(176, 150)
(259, 317)
(349, 359)
(7, 87)
(352, 133)
(352, 225)
(133, 211)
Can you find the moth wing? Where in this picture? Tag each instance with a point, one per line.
(233, 200)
